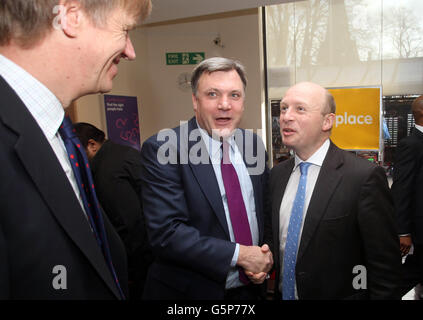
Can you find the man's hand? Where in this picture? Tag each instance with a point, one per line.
(405, 244)
(258, 278)
(256, 261)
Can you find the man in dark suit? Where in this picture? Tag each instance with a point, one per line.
(339, 241)
(204, 244)
(47, 244)
(117, 176)
(407, 191)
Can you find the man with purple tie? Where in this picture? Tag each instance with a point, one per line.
(204, 196)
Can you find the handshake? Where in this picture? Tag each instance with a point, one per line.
(256, 262)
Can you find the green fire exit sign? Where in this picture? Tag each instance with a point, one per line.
(184, 58)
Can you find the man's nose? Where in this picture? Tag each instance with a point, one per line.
(129, 52)
(224, 103)
(286, 115)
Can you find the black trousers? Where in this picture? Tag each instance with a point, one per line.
(412, 271)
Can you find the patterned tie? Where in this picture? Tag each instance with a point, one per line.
(292, 238)
(237, 211)
(84, 179)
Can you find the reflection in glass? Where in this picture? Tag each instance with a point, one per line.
(340, 43)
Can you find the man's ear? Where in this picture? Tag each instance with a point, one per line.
(92, 146)
(328, 121)
(194, 102)
(69, 17)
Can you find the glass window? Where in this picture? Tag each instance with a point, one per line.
(342, 43)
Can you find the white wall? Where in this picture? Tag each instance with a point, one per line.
(161, 103)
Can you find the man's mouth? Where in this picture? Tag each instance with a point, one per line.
(223, 120)
(288, 131)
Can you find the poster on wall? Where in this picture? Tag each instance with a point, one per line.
(122, 120)
(358, 117)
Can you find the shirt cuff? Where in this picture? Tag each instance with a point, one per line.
(235, 256)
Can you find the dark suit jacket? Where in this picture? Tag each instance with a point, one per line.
(349, 222)
(186, 220)
(407, 187)
(117, 177)
(42, 224)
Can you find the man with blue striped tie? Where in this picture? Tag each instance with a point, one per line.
(332, 213)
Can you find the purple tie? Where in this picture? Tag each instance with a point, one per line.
(82, 171)
(237, 211)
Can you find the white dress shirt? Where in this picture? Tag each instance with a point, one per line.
(420, 128)
(44, 107)
(215, 152)
(316, 161)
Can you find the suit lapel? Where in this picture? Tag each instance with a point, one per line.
(326, 184)
(206, 178)
(41, 164)
(418, 134)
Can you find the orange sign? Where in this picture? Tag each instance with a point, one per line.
(357, 125)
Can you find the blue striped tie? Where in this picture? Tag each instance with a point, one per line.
(84, 179)
(292, 238)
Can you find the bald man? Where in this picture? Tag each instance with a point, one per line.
(407, 190)
(335, 237)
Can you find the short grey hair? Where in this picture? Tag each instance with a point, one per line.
(217, 64)
(29, 21)
(330, 103)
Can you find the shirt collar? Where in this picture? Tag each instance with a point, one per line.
(214, 146)
(317, 158)
(40, 101)
(420, 128)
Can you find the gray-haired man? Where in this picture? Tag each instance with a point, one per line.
(51, 53)
(206, 244)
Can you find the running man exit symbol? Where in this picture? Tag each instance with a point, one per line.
(184, 58)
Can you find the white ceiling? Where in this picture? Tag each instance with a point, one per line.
(165, 10)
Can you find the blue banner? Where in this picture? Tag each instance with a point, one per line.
(122, 120)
